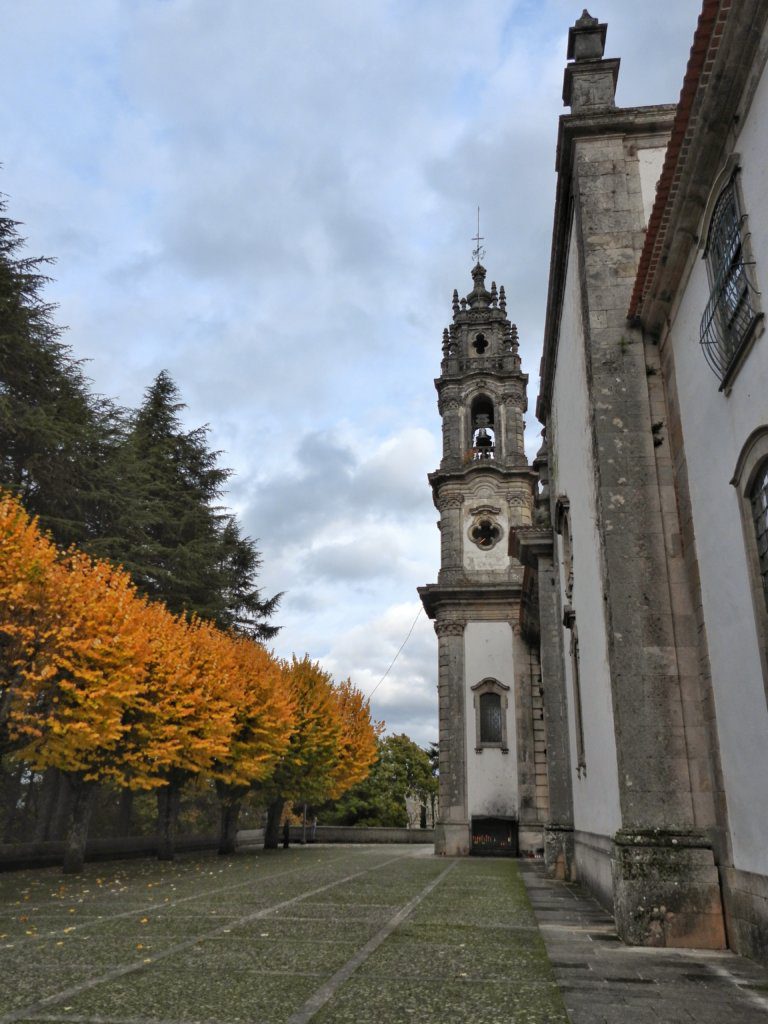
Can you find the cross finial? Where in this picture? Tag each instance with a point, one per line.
(478, 253)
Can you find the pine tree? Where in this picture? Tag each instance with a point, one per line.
(54, 435)
(175, 539)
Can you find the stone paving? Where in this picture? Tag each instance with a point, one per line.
(327, 934)
(370, 934)
(605, 982)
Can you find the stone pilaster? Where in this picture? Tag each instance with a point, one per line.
(667, 858)
(664, 877)
(450, 507)
(452, 830)
(519, 502)
(558, 831)
(666, 889)
(526, 766)
(450, 409)
(514, 431)
(534, 546)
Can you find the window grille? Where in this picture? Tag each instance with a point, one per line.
(490, 718)
(581, 760)
(730, 316)
(759, 501)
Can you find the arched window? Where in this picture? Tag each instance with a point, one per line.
(563, 527)
(758, 500)
(490, 718)
(482, 428)
(731, 314)
(751, 483)
(491, 702)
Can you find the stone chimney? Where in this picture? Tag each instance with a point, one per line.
(589, 85)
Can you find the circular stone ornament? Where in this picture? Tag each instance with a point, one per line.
(485, 533)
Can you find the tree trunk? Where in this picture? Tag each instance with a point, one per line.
(81, 802)
(62, 807)
(46, 800)
(228, 823)
(168, 801)
(24, 823)
(124, 812)
(272, 831)
(11, 786)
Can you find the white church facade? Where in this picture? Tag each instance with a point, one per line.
(630, 622)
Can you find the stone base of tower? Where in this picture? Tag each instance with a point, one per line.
(666, 890)
(453, 839)
(558, 851)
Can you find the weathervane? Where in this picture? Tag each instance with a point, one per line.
(478, 253)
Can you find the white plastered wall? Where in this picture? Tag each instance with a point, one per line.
(493, 559)
(596, 793)
(492, 774)
(485, 494)
(650, 160)
(715, 427)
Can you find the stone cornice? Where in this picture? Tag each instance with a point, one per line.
(529, 543)
(491, 601)
(480, 468)
(572, 127)
(461, 377)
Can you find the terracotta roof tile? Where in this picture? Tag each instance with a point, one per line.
(705, 42)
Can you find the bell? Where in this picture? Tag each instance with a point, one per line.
(483, 441)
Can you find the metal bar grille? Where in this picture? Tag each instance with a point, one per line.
(728, 320)
(494, 837)
(730, 316)
(759, 501)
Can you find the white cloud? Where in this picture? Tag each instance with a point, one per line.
(407, 698)
(275, 204)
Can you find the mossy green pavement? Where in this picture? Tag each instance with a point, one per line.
(297, 935)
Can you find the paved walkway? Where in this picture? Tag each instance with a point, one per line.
(605, 982)
(374, 935)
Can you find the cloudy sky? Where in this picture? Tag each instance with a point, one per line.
(274, 201)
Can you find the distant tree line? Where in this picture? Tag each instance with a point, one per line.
(402, 771)
(131, 621)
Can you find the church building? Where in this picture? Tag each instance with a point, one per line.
(493, 793)
(630, 622)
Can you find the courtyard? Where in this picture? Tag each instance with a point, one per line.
(380, 934)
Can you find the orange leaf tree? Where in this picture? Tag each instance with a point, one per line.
(185, 721)
(330, 745)
(358, 748)
(27, 626)
(70, 704)
(264, 709)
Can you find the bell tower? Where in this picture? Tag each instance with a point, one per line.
(487, 674)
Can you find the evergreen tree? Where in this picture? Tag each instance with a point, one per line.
(172, 535)
(55, 437)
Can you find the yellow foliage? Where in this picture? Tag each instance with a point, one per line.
(181, 721)
(333, 743)
(358, 748)
(69, 704)
(26, 626)
(95, 680)
(264, 714)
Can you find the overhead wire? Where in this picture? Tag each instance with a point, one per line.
(402, 645)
